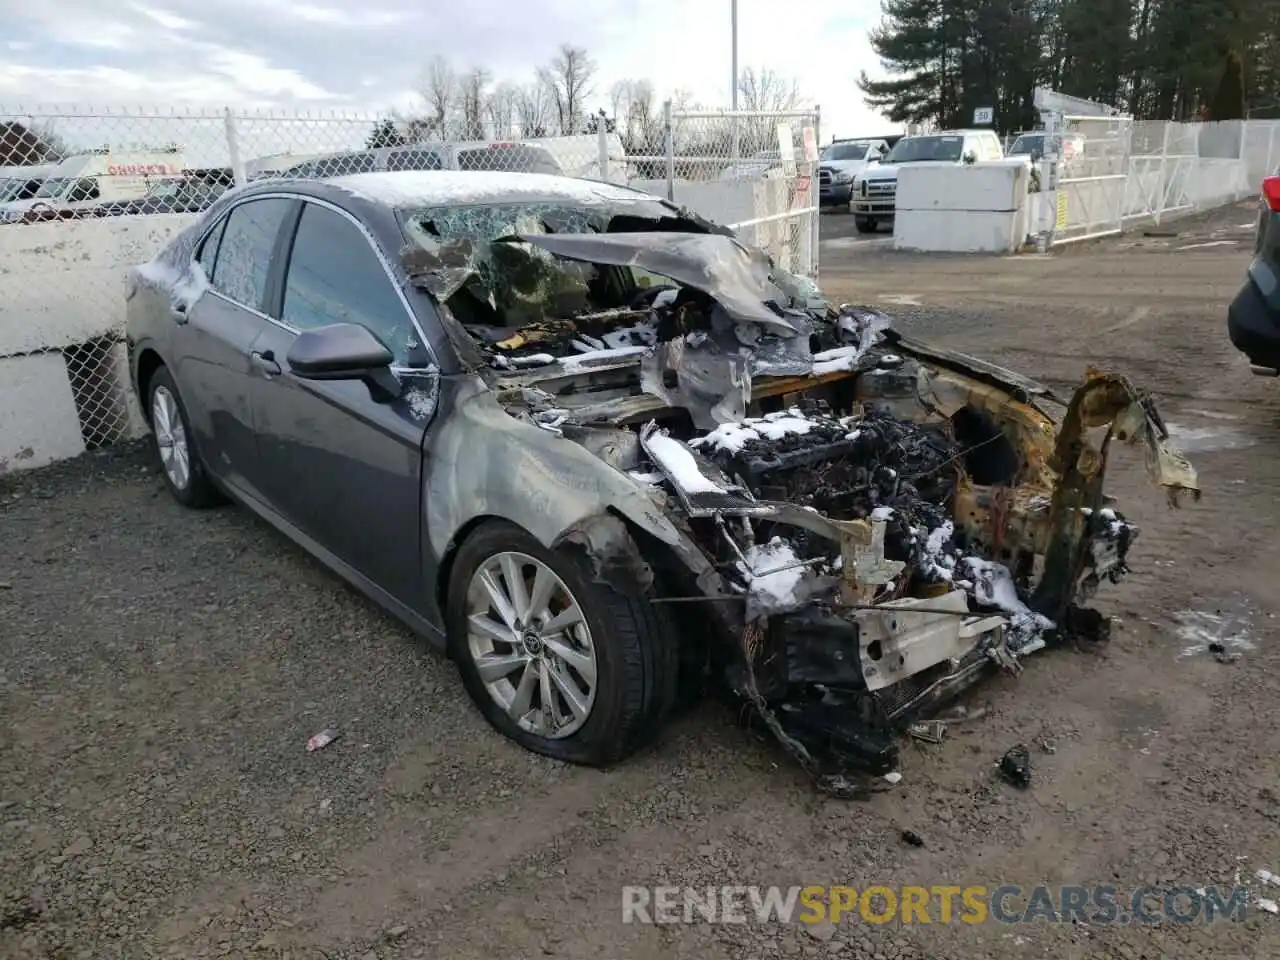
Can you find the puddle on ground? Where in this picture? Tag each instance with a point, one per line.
(1216, 415)
(1200, 439)
(1231, 628)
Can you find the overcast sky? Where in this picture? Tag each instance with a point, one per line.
(369, 54)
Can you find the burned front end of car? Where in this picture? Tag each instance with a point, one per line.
(876, 523)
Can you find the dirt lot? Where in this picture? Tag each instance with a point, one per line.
(161, 671)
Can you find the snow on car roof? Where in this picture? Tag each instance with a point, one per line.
(426, 187)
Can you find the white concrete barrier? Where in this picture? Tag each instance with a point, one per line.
(758, 203)
(962, 208)
(61, 282)
(63, 369)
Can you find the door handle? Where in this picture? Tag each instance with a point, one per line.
(178, 312)
(265, 363)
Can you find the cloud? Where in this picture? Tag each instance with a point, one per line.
(298, 55)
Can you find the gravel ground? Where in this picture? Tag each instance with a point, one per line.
(162, 670)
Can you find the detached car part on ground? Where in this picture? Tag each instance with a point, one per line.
(643, 451)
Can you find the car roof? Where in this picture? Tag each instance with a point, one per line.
(416, 188)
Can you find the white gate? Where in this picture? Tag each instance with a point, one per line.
(1092, 177)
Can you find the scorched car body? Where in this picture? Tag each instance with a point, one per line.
(598, 397)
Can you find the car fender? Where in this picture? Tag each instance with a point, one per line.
(482, 461)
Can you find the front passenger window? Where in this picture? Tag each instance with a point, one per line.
(336, 276)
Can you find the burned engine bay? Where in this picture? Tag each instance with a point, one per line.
(885, 521)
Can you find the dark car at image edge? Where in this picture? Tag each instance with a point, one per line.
(1253, 319)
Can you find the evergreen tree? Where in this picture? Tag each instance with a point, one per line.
(385, 134)
(1228, 101)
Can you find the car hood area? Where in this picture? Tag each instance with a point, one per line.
(864, 524)
(880, 171)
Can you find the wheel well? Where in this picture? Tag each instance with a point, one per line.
(148, 363)
(450, 554)
(652, 551)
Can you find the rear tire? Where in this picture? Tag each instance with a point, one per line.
(608, 653)
(171, 437)
(865, 224)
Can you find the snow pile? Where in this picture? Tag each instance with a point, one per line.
(1268, 879)
(185, 286)
(991, 584)
(732, 437)
(585, 361)
(644, 333)
(678, 463)
(776, 577)
(937, 559)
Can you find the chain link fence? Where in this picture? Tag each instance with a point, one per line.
(86, 193)
(754, 172)
(1115, 171)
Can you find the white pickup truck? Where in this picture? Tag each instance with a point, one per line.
(875, 189)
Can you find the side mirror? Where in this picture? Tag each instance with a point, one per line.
(345, 351)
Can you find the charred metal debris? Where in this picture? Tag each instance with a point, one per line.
(882, 522)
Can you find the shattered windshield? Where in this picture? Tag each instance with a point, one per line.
(576, 285)
(918, 149)
(491, 279)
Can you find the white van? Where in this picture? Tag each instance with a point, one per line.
(576, 156)
(90, 179)
(21, 183)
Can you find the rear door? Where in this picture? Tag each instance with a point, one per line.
(214, 338)
(341, 467)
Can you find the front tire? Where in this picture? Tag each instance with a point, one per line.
(560, 663)
(183, 470)
(865, 224)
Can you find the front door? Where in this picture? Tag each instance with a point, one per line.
(344, 469)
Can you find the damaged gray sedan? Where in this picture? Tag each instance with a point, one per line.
(597, 448)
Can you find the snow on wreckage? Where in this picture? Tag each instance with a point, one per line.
(882, 522)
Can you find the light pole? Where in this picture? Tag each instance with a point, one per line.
(733, 80)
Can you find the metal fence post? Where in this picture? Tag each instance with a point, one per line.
(233, 148)
(1270, 170)
(1162, 186)
(814, 199)
(1049, 185)
(671, 150)
(602, 146)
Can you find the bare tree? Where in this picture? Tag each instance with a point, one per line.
(473, 94)
(764, 91)
(568, 82)
(502, 108)
(644, 124)
(439, 89)
(620, 101)
(533, 112)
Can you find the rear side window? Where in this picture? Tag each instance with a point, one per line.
(351, 163)
(244, 252)
(86, 189)
(207, 255)
(513, 157)
(414, 160)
